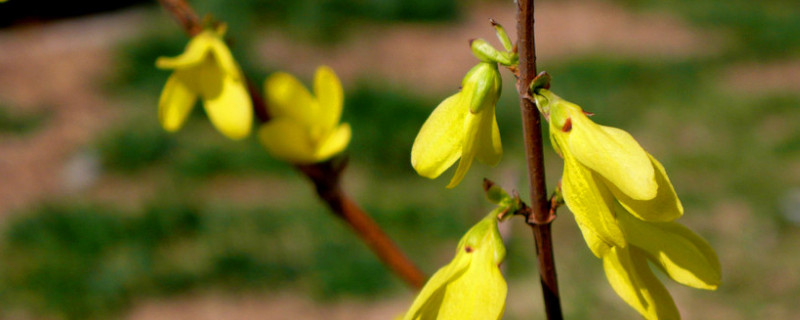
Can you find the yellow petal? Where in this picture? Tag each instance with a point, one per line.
(230, 110)
(438, 144)
(194, 53)
(471, 286)
(335, 142)
(469, 149)
(614, 154)
(287, 140)
(664, 207)
(683, 255)
(488, 145)
(630, 276)
(225, 59)
(479, 293)
(328, 90)
(592, 204)
(177, 100)
(287, 97)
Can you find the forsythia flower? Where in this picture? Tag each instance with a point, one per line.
(206, 69)
(471, 286)
(602, 164)
(463, 126)
(305, 129)
(680, 253)
(624, 205)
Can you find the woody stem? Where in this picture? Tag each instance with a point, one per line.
(325, 176)
(540, 217)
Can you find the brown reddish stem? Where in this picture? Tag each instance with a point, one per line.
(541, 217)
(325, 175)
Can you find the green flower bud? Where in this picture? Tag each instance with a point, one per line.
(487, 53)
(481, 86)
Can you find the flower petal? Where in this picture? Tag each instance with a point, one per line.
(469, 149)
(631, 278)
(194, 53)
(177, 100)
(287, 97)
(438, 144)
(683, 255)
(230, 110)
(614, 154)
(335, 142)
(328, 90)
(664, 207)
(287, 140)
(478, 293)
(488, 145)
(225, 59)
(427, 303)
(592, 204)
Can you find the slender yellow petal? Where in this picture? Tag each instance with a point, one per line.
(479, 293)
(196, 51)
(230, 110)
(287, 97)
(664, 207)
(471, 286)
(438, 143)
(682, 254)
(488, 145)
(614, 154)
(335, 142)
(469, 149)
(592, 204)
(288, 140)
(176, 102)
(630, 276)
(328, 90)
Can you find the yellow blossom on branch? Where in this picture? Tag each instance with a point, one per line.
(304, 128)
(471, 286)
(603, 164)
(206, 69)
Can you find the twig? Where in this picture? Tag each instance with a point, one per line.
(541, 217)
(325, 175)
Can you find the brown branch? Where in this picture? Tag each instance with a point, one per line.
(541, 217)
(325, 175)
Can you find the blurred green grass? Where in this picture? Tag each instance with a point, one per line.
(82, 261)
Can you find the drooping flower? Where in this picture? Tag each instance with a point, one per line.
(463, 126)
(603, 164)
(471, 286)
(304, 128)
(206, 69)
(677, 251)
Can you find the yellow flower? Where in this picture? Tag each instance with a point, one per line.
(680, 253)
(471, 286)
(602, 164)
(305, 129)
(463, 126)
(206, 69)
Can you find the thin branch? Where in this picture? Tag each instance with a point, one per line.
(325, 175)
(541, 217)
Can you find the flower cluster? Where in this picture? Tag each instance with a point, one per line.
(625, 206)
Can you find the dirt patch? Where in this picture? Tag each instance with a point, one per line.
(263, 306)
(55, 69)
(763, 78)
(433, 57)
